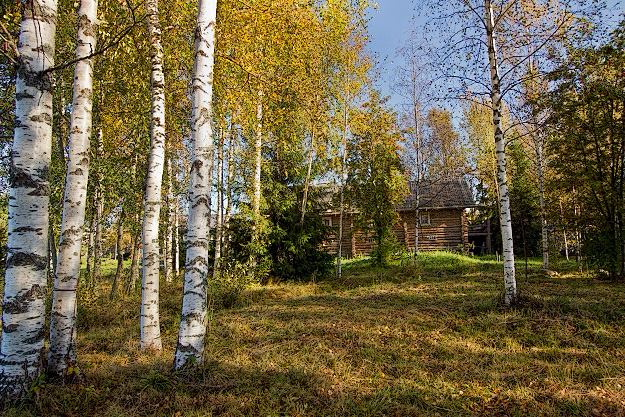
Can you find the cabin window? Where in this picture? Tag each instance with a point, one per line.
(424, 219)
(327, 221)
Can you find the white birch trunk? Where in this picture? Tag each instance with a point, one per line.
(308, 171)
(134, 263)
(176, 243)
(566, 242)
(543, 213)
(258, 162)
(190, 348)
(23, 310)
(99, 201)
(220, 204)
(89, 249)
(62, 353)
(119, 255)
(510, 292)
(226, 226)
(339, 255)
(170, 231)
(150, 323)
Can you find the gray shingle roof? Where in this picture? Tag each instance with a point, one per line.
(438, 195)
(432, 195)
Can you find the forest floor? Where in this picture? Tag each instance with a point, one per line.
(425, 340)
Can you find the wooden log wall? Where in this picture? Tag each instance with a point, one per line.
(448, 230)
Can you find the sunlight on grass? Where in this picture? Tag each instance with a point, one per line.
(421, 339)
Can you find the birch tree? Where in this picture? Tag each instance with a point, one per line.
(62, 353)
(510, 291)
(23, 310)
(475, 30)
(150, 324)
(190, 347)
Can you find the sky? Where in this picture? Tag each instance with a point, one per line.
(390, 25)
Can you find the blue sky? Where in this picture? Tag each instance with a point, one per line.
(390, 26)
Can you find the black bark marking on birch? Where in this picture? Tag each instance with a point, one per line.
(201, 201)
(186, 349)
(11, 328)
(18, 97)
(15, 259)
(25, 229)
(18, 304)
(199, 294)
(196, 166)
(191, 316)
(78, 171)
(20, 178)
(36, 79)
(37, 337)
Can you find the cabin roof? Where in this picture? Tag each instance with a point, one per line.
(441, 194)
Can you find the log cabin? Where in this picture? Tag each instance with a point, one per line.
(441, 210)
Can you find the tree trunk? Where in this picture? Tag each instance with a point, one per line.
(134, 265)
(510, 293)
(543, 212)
(119, 255)
(176, 243)
(257, 165)
(231, 146)
(190, 348)
(62, 352)
(168, 228)
(339, 255)
(417, 222)
(566, 243)
(89, 250)
(169, 257)
(310, 161)
(150, 324)
(99, 204)
(53, 253)
(220, 204)
(23, 310)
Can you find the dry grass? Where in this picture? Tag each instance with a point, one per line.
(421, 340)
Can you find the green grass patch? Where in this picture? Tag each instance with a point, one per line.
(424, 338)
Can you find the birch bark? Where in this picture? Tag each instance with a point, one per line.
(169, 258)
(150, 323)
(190, 348)
(258, 163)
(119, 254)
(226, 233)
(220, 204)
(339, 255)
(308, 173)
(62, 353)
(23, 310)
(510, 292)
(99, 202)
(134, 263)
(540, 159)
(176, 243)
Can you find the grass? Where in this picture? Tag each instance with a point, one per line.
(430, 339)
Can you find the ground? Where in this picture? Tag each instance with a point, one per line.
(424, 340)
